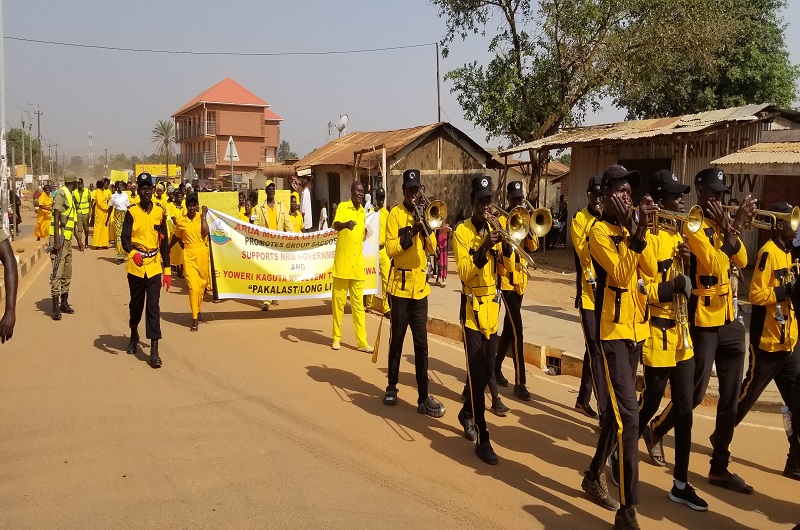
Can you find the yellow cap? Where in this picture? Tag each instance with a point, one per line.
(269, 183)
(296, 196)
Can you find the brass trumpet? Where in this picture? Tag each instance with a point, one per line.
(518, 222)
(668, 220)
(771, 220)
(542, 219)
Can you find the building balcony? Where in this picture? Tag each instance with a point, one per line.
(204, 158)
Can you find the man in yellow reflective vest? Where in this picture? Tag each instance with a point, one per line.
(62, 228)
(83, 203)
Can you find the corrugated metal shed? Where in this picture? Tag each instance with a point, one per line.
(644, 129)
(763, 153)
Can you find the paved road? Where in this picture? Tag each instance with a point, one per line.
(255, 422)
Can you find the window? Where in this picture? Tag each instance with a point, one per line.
(334, 194)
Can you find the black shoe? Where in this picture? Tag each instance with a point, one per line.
(56, 309)
(390, 398)
(486, 453)
(65, 307)
(613, 463)
(195, 324)
(200, 317)
(655, 446)
(432, 407)
(133, 343)
(470, 431)
(597, 490)
(688, 496)
(522, 392)
(501, 380)
(155, 360)
(791, 470)
(626, 519)
(498, 408)
(585, 409)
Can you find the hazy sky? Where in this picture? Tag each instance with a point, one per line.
(120, 96)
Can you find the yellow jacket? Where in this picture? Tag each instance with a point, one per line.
(773, 326)
(617, 260)
(146, 233)
(584, 268)
(478, 274)
(263, 212)
(663, 345)
(514, 270)
(407, 252)
(712, 301)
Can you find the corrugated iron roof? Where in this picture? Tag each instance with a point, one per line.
(340, 151)
(642, 129)
(226, 91)
(763, 153)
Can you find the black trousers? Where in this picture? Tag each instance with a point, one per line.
(512, 336)
(725, 346)
(480, 365)
(414, 313)
(782, 366)
(620, 427)
(150, 289)
(794, 440)
(681, 382)
(592, 373)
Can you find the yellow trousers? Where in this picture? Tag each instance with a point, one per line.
(385, 265)
(196, 274)
(341, 286)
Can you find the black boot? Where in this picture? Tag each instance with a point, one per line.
(65, 307)
(133, 343)
(56, 308)
(155, 360)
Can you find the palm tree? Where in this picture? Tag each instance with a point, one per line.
(163, 136)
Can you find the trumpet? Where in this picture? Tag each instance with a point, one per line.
(542, 220)
(433, 211)
(668, 220)
(771, 220)
(518, 222)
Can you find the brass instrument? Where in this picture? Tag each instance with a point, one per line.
(681, 305)
(433, 211)
(518, 222)
(668, 220)
(542, 220)
(771, 220)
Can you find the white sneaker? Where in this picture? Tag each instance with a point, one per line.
(366, 349)
(336, 345)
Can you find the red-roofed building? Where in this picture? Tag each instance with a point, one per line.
(205, 123)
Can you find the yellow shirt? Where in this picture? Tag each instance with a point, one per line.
(384, 216)
(407, 253)
(514, 269)
(101, 198)
(148, 232)
(712, 300)
(272, 218)
(348, 262)
(190, 230)
(162, 201)
(617, 259)
(478, 274)
(579, 232)
(772, 329)
(295, 222)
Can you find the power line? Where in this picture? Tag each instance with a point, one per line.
(240, 54)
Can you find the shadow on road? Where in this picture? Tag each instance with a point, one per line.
(298, 335)
(116, 344)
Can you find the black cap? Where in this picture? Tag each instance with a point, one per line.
(712, 177)
(594, 184)
(514, 189)
(666, 180)
(192, 197)
(482, 187)
(144, 179)
(380, 193)
(617, 172)
(411, 178)
(780, 207)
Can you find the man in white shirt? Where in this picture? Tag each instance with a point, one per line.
(305, 206)
(119, 204)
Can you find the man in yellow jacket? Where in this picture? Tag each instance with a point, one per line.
(616, 244)
(718, 337)
(407, 241)
(773, 327)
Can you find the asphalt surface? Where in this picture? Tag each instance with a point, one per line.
(255, 422)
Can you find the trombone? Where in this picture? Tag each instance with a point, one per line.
(668, 220)
(433, 211)
(542, 219)
(518, 221)
(771, 220)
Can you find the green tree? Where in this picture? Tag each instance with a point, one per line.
(285, 151)
(163, 136)
(14, 139)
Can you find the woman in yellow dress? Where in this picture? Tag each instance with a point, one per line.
(176, 211)
(44, 213)
(102, 217)
(191, 233)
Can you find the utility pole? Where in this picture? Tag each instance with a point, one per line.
(30, 141)
(39, 135)
(56, 165)
(91, 157)
(438, 89)
(106, 166)
(3, 161)
(23, 148)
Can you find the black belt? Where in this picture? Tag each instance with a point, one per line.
(708, 281)
(146, 253)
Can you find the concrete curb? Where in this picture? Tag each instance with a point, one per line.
(566, 363)
(24, 266)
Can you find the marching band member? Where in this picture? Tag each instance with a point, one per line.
(348, 267)
(717, 336)
(667, 355)
(773, 327)
(592, 373)
(406, 244)
(384, 261)
(513, 281)
(477, 249)
(144, 238)
(616, 249)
